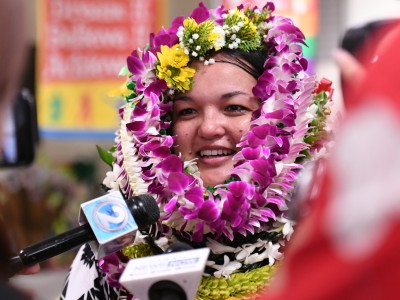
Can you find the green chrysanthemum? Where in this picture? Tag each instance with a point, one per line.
(241, 32)
(257, 17)
(198, 39)
(239, 285)
(137, 250)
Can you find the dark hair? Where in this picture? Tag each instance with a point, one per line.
(356, 39)
(251, 62)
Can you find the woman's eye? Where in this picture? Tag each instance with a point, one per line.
(236, 108)
(186, 112)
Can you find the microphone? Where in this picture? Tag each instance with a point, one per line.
(170, 276)
(107, 222)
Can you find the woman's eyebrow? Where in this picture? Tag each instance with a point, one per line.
(223, 96)
(233, 94)
(181, 97)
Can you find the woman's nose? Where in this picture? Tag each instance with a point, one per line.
(212, 125)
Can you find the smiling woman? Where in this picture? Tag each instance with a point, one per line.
(219, 116)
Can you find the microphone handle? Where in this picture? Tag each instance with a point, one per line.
(51, 247)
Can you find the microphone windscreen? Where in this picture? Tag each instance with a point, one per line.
(144, 209)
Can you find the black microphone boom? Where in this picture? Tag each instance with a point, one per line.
(143, 208)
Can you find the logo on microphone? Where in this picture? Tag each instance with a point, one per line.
(110, 216)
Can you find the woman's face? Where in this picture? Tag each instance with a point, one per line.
(210, 119)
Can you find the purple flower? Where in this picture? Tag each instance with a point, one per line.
(179, 182)
(263, 170)
(236, 202)
(142, 69)
(171, 164)
(200, 14)
(209, 211)
(217, 13)
(111, 265)
(166, 37)
(270, 6)
(264, 87)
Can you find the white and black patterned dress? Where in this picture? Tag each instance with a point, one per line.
(86, 282)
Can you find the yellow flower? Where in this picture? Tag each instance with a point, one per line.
(190, 24)
(249, 26)
(121, 91)
(124, 90)
(173, 67)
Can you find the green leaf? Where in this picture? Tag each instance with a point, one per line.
(124, 71)
(105, 155)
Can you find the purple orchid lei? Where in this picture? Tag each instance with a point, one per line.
(283, 131)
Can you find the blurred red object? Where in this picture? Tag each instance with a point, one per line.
(348, 247)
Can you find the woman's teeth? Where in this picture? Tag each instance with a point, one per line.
(219, 152)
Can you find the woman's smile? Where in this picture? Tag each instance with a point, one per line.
(214, 156)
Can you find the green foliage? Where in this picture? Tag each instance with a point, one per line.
(204, 30)
(317, 126)
(106, 155)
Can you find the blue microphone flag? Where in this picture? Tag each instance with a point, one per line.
(111, 221)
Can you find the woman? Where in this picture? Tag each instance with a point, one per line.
(220, 112)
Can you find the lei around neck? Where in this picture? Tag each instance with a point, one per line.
(288, 127)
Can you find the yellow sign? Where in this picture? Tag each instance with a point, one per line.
(83, 106)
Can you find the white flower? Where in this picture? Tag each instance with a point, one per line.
(234, 45)
(272, 253)
(190, 41)
(245, 251)
(195, 36)
(131, 164)
(287, 229)
(256, 257)
(218, 248)
(179, 34)
(194, 54)
(227, 268)
(111, 178)
(198, 48)
(312, 111)
(220, 41)
(190, 167)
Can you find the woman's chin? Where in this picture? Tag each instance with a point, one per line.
(212, 178)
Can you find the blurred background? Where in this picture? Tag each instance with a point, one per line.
(76, 49)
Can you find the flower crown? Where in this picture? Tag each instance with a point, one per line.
(243, 220)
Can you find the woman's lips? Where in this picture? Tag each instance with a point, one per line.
(216, 152)
(215, 156)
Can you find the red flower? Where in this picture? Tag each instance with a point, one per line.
(325, 85)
